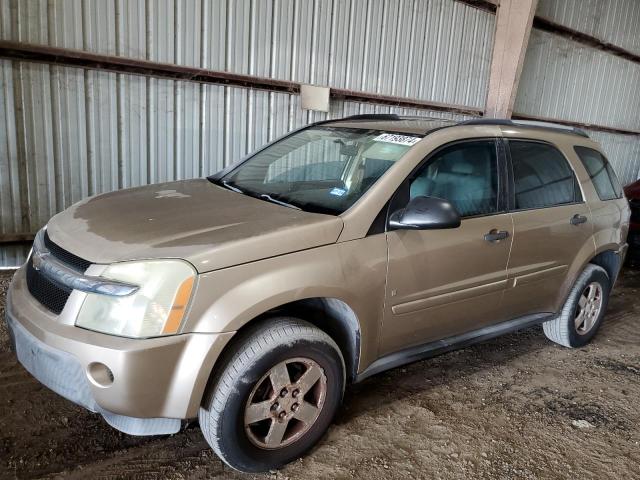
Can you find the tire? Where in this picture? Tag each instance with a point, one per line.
(566, 328)
(247, 373)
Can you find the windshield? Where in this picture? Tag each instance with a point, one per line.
(319, 169)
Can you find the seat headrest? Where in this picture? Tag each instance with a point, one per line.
(462, 168)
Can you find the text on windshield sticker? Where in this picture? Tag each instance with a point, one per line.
(397, 139)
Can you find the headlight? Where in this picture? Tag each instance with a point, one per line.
(155, 309)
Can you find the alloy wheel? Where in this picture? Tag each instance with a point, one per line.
(285, 403)
(589, 307)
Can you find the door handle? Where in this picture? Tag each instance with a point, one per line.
(577, 219)
(496, 235)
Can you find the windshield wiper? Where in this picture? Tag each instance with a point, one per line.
(230, 187)
(266, 196)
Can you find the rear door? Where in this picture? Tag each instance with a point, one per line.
(446, 282)
(551, 224)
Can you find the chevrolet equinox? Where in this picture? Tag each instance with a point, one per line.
(251, 298)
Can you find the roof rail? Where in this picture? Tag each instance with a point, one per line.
(371, 116)
(526, 123)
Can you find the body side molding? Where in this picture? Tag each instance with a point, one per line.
(438, 347)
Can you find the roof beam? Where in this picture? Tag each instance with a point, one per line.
(486, 5)
(16, 237)
(513, 27)
(550, 26)
(88, 60)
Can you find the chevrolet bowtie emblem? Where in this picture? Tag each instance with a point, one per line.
(36, 260)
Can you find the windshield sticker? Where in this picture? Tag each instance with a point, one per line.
(338, 191)
(397, 139)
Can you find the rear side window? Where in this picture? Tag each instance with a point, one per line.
(602, 175)
(542, 176)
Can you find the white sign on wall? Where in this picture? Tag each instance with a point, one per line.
(314, 98)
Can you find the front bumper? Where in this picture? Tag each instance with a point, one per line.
(154, 383)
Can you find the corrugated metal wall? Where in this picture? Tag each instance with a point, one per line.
(13, 254)
(564, 79)
(623, 151)
(73, 140)
(396, 47)
(614, 21)
(71, 133)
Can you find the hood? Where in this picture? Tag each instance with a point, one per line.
(195, 220)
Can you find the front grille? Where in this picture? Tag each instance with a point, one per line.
(75, 262)
(49, 294)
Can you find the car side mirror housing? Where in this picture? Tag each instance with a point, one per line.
(425, 213)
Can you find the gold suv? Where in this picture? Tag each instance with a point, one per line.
(348, 247)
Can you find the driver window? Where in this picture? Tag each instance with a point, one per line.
(465, 174)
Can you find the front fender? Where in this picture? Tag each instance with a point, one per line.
(352, 272)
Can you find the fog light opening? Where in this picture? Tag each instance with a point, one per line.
(99, 374)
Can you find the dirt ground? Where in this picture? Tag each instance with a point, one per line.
(516, 407)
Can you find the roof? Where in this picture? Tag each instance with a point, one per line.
(424, 125)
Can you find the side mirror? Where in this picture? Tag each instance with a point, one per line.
(425, 213)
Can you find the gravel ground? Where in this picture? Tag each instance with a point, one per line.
(516, 407)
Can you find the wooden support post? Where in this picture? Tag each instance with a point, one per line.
(513, 27)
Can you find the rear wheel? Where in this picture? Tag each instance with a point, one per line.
(583, 311)
(275, 397)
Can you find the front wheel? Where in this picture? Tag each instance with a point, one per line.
(275, 397)
(583, 311)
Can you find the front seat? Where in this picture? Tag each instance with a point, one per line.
(463, 187)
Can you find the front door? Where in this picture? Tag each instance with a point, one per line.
(446, 282)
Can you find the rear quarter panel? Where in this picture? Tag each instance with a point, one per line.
(610, 218)
(610, 224)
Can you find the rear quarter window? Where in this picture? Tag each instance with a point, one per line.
(602, 175)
